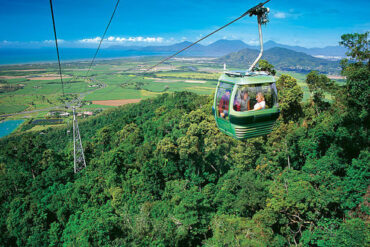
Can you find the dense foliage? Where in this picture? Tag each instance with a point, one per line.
(160, 173)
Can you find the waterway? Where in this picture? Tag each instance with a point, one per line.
(9, 126)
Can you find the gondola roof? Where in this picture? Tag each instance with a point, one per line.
(246, 78)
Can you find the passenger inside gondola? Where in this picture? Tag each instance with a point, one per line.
(223, 106)
(242, 101)
(261, 104)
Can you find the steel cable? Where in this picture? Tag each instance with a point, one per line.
(102, 38)
(56, 44)
(250, 12)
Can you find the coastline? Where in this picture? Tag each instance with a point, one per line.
(79, 56)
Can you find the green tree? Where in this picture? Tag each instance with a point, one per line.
(358, 74)
(93, 227)
(318, 86)
(290, 96)
(230, 230)
(357, 44)
(354, 232)
(240, 193)
(191, 211)
(265, 66)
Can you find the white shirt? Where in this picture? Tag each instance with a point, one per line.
(261, 105)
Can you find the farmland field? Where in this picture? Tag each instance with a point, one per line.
(34, 91)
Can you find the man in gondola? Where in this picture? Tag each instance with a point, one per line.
(223, 107)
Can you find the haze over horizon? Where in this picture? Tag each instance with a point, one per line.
(80, 24)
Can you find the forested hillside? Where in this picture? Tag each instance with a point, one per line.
(159, 173)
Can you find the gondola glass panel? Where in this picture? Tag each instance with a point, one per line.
(246, 96)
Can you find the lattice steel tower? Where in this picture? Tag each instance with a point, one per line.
(78, 152)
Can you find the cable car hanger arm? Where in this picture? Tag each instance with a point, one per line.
(261, 45)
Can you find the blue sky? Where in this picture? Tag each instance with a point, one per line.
(315, 23)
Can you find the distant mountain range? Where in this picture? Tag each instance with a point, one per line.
(236, 53)
(282, 59)
(328, 51)
(223, 47)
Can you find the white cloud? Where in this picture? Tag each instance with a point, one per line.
(280, 15)
(51, 41)
(119, 40)
(291, 14)
(252, 42)
(94, 40)
(88, 42)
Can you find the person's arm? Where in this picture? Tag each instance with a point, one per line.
(248, 105)
(263, 104)
(259, 107)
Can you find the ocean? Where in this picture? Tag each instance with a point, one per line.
(20, 56)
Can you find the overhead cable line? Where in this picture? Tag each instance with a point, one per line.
(102, 38)
(249, 12)
(56, 44)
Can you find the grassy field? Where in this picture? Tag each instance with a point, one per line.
(190, 75)
(114, 92)
(11, 108)
(12, 103)
(94, 106)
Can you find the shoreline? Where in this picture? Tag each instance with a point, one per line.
(87, 60)
(98, 59)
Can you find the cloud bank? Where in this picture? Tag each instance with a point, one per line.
(87, 42)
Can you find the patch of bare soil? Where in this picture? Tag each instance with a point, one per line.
(194, 81)
(336, 77)
(115, 102)
(12, 77)
(47, 77)
(28, 70)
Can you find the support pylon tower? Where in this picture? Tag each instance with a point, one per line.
(78, 152)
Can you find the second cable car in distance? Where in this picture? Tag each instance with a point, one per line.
(245, 103)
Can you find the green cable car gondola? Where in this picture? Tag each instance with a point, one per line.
(245, 103)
